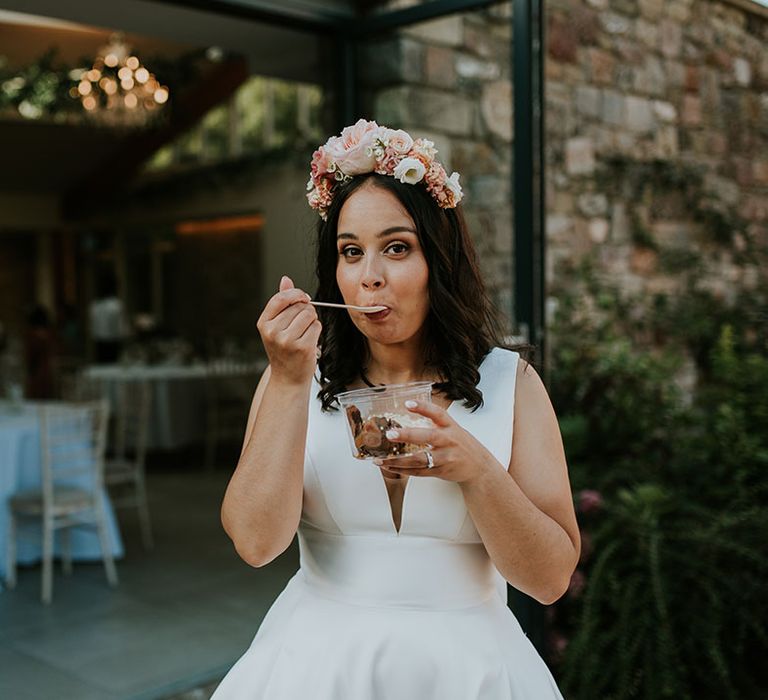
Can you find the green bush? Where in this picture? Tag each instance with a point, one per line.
(668, 601)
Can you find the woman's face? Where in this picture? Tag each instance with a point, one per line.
(380, 262)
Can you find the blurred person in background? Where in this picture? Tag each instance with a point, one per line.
(109, 327)
(39, 352)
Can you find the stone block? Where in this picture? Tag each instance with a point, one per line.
(742, 70)
(691, 114)
(665, 111)
(620, 224)
(439, 68)
(643, 261)
(448, 31)
(680, 11)
(666, 142)
(488, 191)
(647, 33)
(593, 204)
(496, 109)
(613, 108)
(579, 156)
(675, 234)
(585, 25)
(443, 111)
(614, 23)
(391, 107)
(601, 66)
(598, 230)
(588, 101)
(639, 114)
(691, 82)
(561, 40)
(671, 38)
(398, 60)
(472, 68)
(444, 146)
(651, 9)
(760, 171)
(675, 73)
(598, 4)
(559, 226)
(625, 7)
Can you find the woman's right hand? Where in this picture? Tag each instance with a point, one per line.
(290, 329)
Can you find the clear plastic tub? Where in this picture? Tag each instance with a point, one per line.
(371, 412)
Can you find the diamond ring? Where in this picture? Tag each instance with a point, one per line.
(430, 460)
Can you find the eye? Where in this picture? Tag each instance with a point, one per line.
(397, 248)
(350, 251)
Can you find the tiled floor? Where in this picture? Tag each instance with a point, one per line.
(180, 617)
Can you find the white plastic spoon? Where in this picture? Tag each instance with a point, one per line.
(364, 309)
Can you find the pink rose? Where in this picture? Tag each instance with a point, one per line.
(397, 140)
(590, 501)
(352, 150)
(319, 163)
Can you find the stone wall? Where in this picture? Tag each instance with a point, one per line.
(656, 133)
(657, 129)
(449, 80)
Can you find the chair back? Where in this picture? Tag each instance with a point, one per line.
(72, 442)
(132, 414)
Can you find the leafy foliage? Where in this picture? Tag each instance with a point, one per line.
(670, 602)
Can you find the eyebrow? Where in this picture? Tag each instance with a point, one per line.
(381, 234)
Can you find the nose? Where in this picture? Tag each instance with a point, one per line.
(372, 276)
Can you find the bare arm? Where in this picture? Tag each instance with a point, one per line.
(525, 515)
(523, 511)
(262, 503)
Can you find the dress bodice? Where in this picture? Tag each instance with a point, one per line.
(347, 527)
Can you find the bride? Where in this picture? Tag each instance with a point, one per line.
(401, 590)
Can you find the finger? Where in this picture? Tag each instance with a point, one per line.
(285, 283)
(280, 302)
(416, 436)
(418, 460)
(417, 471)
(300, 323)
(312, 334)
(439, 416)
(283, 320)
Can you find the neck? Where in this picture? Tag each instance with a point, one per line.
(397, 364)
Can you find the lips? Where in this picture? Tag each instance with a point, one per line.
(379, 315)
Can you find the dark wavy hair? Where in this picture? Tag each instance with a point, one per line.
(462, 325)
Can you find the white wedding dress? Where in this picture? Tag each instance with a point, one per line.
(379, 614)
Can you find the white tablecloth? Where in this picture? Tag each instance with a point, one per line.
(178, 395)
(20, 469)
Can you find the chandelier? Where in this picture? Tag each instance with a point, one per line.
(118, 90)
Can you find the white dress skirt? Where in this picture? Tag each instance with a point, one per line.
(380, 613)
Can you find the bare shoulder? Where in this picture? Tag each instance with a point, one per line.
(538, 461)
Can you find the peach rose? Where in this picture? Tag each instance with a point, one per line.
(352, 151)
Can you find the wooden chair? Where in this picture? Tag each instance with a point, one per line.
(72, 442)
(125, 472)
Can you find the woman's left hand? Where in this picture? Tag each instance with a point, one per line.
(456, 454)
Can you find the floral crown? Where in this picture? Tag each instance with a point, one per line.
(367, 147)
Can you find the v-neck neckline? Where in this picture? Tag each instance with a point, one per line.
(406, 491)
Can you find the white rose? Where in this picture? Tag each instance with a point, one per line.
(410, 171)
(452, 183)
